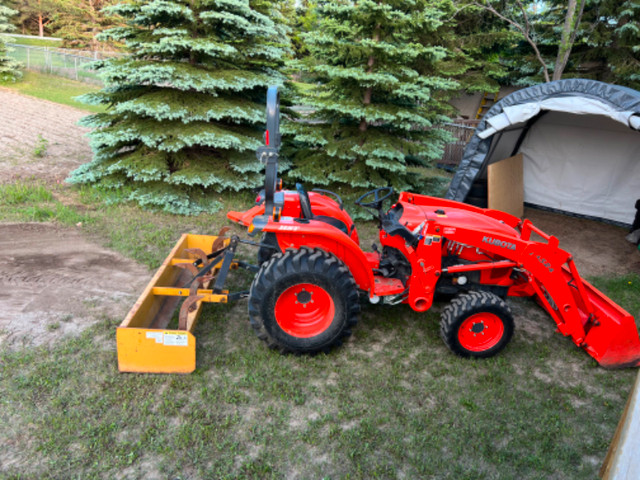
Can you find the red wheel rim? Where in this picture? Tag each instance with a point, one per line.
(480, 332)
(304, 310)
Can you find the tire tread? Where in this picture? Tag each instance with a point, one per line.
(466, 304)
(304, 260)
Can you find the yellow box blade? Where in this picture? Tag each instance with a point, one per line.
(145, 350)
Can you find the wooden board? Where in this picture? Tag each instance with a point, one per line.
(622, 461)
(506, 186)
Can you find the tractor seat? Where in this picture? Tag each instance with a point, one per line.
(306, 212)
(339, 224)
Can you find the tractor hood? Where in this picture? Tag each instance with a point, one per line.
(458, 218)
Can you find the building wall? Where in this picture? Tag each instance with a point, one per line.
(467, 105)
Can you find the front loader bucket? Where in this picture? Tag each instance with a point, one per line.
(611, 332)
(145, 344)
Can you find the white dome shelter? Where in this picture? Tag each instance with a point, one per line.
(580, 145)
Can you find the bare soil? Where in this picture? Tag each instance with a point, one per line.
(23, 121)
(55, 283)
(597, 248)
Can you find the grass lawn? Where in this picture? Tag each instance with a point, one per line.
(55, 89)
(36, 42)
(392, 402)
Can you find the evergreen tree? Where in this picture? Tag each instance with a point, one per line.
(379, 99)
(35, 16)
(303, 22)
(479, 44)
(609, 49)
(187, 106)
(561, 39)
(78, 22)
(9, 67)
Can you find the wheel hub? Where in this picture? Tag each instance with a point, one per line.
(304, 310)
(481, 331)
(303, 297)
(478, 327)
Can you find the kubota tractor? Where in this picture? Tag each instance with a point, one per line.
(312, 271)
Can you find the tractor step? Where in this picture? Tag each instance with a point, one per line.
(384, 286)
(145, 343)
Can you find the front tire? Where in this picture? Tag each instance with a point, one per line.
(303, 301)
(476, 324)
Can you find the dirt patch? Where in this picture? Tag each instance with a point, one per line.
(597, 248)
(55, 283)
(23, 121)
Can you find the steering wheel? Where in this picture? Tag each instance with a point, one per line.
(379, 196)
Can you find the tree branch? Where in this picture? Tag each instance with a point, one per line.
(524, 30)
(569, 32)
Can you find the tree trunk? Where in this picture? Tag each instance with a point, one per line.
(366, 100)
(569, 31)
(94, 40)
(94, 29)
(40, 22)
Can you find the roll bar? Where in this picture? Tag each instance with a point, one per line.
(268, 153)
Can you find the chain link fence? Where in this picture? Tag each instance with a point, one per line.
(74, 64)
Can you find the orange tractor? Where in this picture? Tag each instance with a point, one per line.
(312, 272)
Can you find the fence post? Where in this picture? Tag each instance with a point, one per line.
(28, 57)
(75, 66)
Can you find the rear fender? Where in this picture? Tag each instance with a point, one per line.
(245, 218)
(320, 205)
(315, 234)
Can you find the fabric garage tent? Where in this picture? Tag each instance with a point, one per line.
(580, 145)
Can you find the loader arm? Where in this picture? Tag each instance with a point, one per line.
(593, 321)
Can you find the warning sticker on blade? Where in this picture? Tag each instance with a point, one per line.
(176, 339)
(157, 336)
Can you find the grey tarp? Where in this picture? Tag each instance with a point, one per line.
(580, 144)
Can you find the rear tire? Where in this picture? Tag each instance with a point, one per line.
(476, 324)
(303, 301)
(265, 252)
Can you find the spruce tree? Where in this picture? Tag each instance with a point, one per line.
(610, 46)
(479, 44)
(600, 40)
(9, 67)
(78, 22)
(187, 105)
(378, 100)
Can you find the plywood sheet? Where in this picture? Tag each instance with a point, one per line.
(622, 461)
(506, 185)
